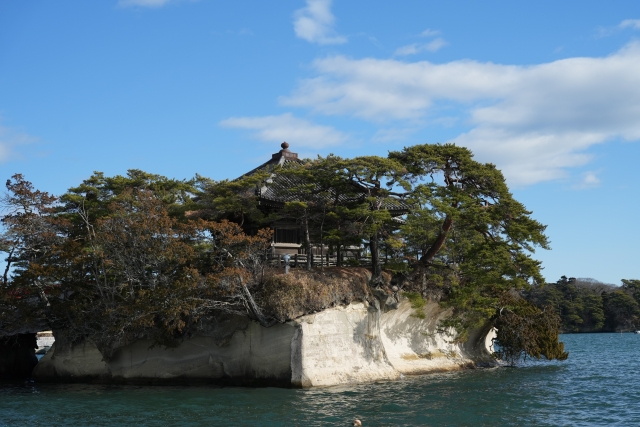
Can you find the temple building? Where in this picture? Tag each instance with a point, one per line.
(288, 237)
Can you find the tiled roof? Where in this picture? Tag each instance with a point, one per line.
(280, 158)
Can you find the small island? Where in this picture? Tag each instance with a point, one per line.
(299, 273)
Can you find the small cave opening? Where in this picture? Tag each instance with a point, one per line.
(20, 353)
(17, 356)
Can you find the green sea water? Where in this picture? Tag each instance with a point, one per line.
(598, 386)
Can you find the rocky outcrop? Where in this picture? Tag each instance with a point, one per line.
(346, 344)
(251, 354)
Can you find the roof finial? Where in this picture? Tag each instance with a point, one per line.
(284, 145)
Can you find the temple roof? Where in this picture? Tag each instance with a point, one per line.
(278, 159)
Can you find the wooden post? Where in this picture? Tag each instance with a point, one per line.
(295, 260)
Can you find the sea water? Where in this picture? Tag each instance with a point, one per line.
(599, 385)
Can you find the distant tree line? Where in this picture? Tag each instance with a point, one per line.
(586, 305)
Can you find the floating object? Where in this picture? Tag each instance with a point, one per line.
(357, 422)
(636, 332)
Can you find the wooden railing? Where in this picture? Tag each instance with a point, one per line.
(300, 260)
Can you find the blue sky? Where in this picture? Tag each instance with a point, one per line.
(548, 91)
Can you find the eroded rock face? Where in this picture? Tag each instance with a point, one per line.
(413, 345)
(253, 354)
(355, 343)
(340, 346)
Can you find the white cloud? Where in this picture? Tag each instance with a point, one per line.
(529, 157)
(602, 32)
(11, 138)
(286, 127)
(587, 180)
(534, 121)
(429, 33)
(4, 152)
(393, 134)
(630, 23)
(590, 180)
(314, 23)
(412, 49)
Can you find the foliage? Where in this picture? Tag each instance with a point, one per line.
(450, 187)
(94, 194)
(235, 200)
(632, 287)
(375, 222)
(338, 203)
(474, 241)
(29, 235)
(585, 305)
(621, 311)
(525, 330)
(352, 262)
(417, 303)
(397, 266)
(300, 292)
(120, 266)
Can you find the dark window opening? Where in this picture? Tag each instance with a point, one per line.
(287, 235)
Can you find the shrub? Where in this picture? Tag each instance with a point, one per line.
(301, 292)
(417, 303)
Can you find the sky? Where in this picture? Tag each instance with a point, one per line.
(548, 91)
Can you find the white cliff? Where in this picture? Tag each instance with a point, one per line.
(340, 345)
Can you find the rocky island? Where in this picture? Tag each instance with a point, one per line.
(299, 273)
